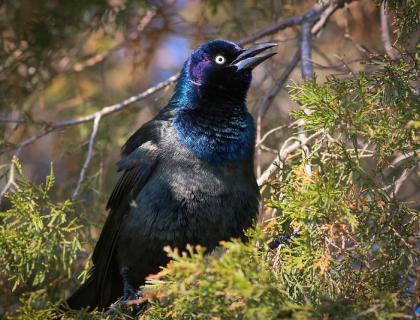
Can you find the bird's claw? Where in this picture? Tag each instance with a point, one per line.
(133, 300)
(130, 294)
(130, 303)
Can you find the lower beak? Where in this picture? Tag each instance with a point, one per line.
(250, 58)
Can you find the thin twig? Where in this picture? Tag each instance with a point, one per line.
(396, 185)
(267, 149)
(267, 101)
(106, 111)
(32, 139)
(282, 156)
(10, 181)
(88, 156)
(265, 136)
(402, 157)
(311, 14)
(317, 11)
(348, 35)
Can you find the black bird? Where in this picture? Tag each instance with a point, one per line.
(187, 175)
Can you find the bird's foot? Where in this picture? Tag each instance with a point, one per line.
(131, 303)
(130, 293)
(133, 300)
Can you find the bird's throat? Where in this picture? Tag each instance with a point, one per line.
(217, 134)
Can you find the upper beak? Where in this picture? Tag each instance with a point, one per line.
(250, 58)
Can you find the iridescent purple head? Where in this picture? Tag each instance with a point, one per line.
(216, 63)
(220, 68)
(212, 61)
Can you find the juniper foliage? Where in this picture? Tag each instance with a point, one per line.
(39, 245)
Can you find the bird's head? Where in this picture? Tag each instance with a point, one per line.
(220, 68)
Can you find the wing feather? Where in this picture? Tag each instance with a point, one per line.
(139, 159)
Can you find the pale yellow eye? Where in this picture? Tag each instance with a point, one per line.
(220, 59)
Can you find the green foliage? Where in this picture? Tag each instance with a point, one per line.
(36, 236)
(38, 240)
(376, 107)
(408, 16)
(237, 285)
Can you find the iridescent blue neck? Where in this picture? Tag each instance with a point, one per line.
(215, 127)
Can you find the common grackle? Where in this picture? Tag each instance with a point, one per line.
(187, 175)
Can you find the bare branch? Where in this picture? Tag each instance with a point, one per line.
(307, 69)
(267, 149)
(396, 185)
(30, 140)
(326, 13)
(268, 99)
(385, 34)
(101, 113)
(306, 51)
(317, 11)
(106, 111)
(265, 136)
(88, 156)
(10, 181)
(401, 180)
(403, 157)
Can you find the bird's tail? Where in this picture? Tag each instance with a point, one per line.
(92, 295)
(87, 296)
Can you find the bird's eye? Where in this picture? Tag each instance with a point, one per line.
(220, 59)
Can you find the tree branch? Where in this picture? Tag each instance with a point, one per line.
(385, 34)
(306, 50)
(88, 156)
(286, 150)
(105, 111)
(10, 181)
(267, 101)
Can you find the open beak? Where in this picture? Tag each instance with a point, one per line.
(250, 58)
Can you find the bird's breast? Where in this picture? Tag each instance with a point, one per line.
(189, 200)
